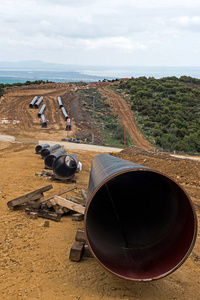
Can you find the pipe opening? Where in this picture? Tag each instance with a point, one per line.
(140, 225)
(65, 166)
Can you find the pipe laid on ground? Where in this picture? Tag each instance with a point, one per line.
(139, 223)
(33, 102)
(49, 160)
(69, 124)
(65, 166)
(37, 104)
(43, 120)
(47, 151)
(60, 102)
(42, 110)
(64, 113)
(39, 148)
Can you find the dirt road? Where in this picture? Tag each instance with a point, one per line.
(126, 115)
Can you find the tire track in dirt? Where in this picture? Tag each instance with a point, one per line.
(127, 117)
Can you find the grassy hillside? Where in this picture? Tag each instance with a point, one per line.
(105, 121)
(167, 110)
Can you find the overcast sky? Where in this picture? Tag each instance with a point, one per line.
(101, 32)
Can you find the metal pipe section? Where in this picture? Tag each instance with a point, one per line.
(139, 223)
(69, 124)
(65, 166)
(49, 160)
(39, 148)
(43, 120)
(60, 102)
(42, 110)
(64, 113)
(37, 104)
(33, 102)
(47, 151)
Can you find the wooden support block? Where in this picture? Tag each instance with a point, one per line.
(33, 204)
(66, 210)
(33, 215)
(35, 195)
(76, 199)
(80, 235)
(70, 205)
(76, 251)
(84, 194)
(49, 204)
(87, 253)
(28, 210)
(57, 193)
(77, 217)
(49, 215)
(46, 224)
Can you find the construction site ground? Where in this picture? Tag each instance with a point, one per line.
(35, 259)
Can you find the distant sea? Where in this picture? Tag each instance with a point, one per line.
(92, 74)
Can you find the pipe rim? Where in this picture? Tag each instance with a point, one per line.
(128, 170)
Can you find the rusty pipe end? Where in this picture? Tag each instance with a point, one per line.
(139, 223)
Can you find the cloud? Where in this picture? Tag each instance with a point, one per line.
(191, 23)
(116, 29)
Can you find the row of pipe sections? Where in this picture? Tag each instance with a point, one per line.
(65, 114)
(64, 165)
(139, 223)
(36, 103)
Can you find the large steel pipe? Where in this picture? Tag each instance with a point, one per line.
(45, 152)
(64, 113)
(60, 102)
(65, 166)
(139, 223)
(33, 102)
(69, 124)
(39, 148)
(43, 120)
(42, 110)
(39, 101)
(49, 160)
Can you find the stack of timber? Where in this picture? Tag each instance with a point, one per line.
(80, 247)
(51, 206)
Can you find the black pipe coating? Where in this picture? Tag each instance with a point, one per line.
(49, 160)
(65, 166)
(139, 223)
(39, 148)
(45, 152)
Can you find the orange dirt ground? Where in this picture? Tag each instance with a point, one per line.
(35, 260)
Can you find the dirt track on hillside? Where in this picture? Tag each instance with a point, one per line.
(35, 260)
(126, 115)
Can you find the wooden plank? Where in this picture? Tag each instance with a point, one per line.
(77, 217)
(76, 251)
(28, 197)
(84, 194)
(49, 215)
(57, 193)
(33, 215)
(76, 199)
(70, 205)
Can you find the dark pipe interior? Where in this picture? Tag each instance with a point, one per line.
(140, 225)
(64, 167)
(45, 153)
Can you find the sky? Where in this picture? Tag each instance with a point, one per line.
(101, 32)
